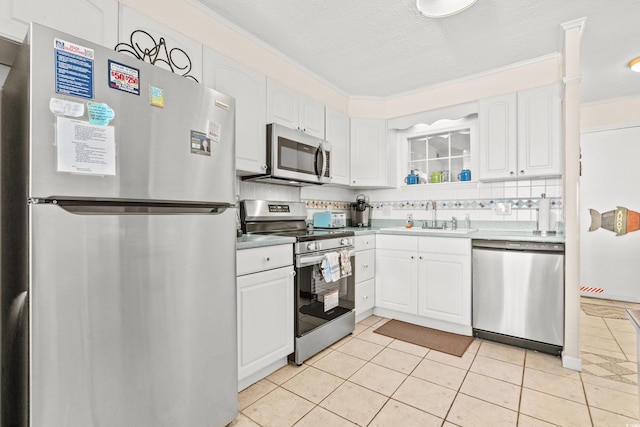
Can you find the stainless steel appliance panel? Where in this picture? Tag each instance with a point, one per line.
(127, 328)
(153, 155)
(519, 293)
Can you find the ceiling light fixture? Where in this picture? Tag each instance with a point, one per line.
(442, 8)
(634, 64)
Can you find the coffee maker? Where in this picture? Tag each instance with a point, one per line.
(361, 212)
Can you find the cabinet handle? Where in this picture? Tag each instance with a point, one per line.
(420, 257)
(264, 167)
(293, 273)
(365, 297)
(412, 257)
(522, 172)
(512, 173)
(267, 259)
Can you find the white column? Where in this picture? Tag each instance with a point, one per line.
(571, 132)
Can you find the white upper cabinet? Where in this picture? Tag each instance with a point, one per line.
(337, 132)
(539, 131)
(153, 42)
(520, 134)
(294, 110)
(249, 88)
(99, 23)
(368, 153)
(498, 137)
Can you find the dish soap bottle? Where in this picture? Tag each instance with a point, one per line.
(409, 223)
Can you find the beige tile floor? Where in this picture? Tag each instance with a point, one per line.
(371, 380)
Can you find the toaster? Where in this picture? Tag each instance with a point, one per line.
(329, 220)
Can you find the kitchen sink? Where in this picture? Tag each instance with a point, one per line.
(420, 230)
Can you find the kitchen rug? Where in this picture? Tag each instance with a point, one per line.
(442, 341)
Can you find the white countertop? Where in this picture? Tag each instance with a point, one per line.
(255, 241)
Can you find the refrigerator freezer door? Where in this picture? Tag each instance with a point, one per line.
(160, 152)
(133, 319)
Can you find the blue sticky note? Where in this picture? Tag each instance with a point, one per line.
(100, 113)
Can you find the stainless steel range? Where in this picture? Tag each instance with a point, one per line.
(324, 302)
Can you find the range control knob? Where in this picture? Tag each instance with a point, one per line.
(344, 242)
(311, 246)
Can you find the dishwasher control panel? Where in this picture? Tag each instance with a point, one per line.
(519, 245)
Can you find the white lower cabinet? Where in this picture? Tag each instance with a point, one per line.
(396, 279)
(265, 303)
(424, 280)
(444, 279)
(364, 272)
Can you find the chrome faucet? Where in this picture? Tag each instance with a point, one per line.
(433, 214)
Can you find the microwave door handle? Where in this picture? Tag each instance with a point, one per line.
(323, 167)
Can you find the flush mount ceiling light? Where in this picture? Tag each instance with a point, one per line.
(442, 8)
(634, 64)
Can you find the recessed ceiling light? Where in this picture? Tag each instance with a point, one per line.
(634, 64)
(442, 8)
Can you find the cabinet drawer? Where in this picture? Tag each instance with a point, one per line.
(264, 258)
(365, 296)
(365, 265)
(397, 243)
(365, 242)
(445, 245)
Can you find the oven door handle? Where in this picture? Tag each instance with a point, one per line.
(305, 261)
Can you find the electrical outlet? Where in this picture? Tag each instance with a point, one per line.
(503, 209)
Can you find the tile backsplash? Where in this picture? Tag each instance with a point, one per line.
(478, 200)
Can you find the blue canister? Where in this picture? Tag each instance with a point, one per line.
(464, 175)
(412, 178)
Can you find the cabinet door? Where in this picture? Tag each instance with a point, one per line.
(99, 23)
(282, 105)
(539, 133)
(187, 63)
(444, 287)
(396, 280)
(365, 265)
(498, 137)
(311, 116)
(265, 319)
(368, 153)
(249, 88)
(337, 132)
(365, 294)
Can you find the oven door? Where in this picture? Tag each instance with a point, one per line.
(318, 301)
(297, 156)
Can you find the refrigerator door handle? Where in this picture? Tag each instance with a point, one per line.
(126, 207)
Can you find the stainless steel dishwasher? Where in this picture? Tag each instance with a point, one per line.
(518, 293)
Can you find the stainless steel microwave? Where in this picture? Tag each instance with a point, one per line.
(295, 158)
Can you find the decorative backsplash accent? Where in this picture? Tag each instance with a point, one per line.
(144, 47)
(326, 204)
(466, 204)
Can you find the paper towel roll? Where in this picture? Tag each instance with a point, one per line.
(544, 215)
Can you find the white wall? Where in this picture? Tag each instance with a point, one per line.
(610, 114)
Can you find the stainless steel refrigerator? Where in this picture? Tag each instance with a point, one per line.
(118, 242)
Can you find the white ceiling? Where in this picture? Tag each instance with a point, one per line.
(383, 48)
